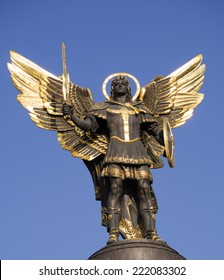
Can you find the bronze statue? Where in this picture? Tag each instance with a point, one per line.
(119, 139)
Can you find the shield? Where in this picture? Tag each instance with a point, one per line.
(168, 142)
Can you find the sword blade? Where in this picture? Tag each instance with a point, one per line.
(65, 75)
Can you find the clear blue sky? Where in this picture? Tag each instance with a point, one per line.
(47, 206)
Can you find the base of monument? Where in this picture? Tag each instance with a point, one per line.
(137, 249)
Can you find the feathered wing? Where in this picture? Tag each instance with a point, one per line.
(41, 94)
(176, 95)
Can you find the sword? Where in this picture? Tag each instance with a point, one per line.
(65, 75)
(65, 79)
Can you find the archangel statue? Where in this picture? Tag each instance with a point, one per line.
(119, 139)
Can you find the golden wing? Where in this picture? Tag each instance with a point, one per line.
(42, 95)
(176, 95)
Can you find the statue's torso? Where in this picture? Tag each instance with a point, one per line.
(123, 123)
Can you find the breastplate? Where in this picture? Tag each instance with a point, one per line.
(123, 123)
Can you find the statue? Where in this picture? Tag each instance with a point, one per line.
(119, 139)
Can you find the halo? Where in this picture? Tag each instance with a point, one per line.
(104, 86)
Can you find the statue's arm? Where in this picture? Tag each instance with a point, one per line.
(157, 132)
(88, 123)
(154, 130)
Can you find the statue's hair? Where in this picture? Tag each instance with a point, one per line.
(118, 78)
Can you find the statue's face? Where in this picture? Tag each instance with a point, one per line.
(120, 87)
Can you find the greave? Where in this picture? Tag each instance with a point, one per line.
(148, 219)
(113, 217)
(149, 223)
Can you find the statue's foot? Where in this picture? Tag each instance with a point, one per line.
(152, 235)
(113, 237)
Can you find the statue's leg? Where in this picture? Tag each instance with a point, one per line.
(147, 212)
(114, 208)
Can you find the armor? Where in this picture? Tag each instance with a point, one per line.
(126, 156)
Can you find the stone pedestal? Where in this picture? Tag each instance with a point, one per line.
(137, 249)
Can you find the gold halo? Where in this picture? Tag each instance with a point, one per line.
(104, 86)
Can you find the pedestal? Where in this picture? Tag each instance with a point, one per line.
(137, 249)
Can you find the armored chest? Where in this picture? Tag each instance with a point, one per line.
(123, 123)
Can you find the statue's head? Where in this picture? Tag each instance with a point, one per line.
(120, 86)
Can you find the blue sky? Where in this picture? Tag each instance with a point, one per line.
(47, 206)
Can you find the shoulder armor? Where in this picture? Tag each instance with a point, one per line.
(146, 114)
(99, 109)
(100, 106)
(148, 118)
(143, 108)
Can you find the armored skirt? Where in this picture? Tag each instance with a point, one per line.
(126, 160)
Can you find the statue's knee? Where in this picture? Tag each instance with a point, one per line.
(115, 188)
(143, 187)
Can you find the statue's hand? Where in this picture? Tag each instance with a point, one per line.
(67, 110)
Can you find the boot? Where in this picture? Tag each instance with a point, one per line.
(113, 237)
(152, 235)
(113, 216)
(149, 223)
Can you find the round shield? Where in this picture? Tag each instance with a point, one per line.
(168, 142)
